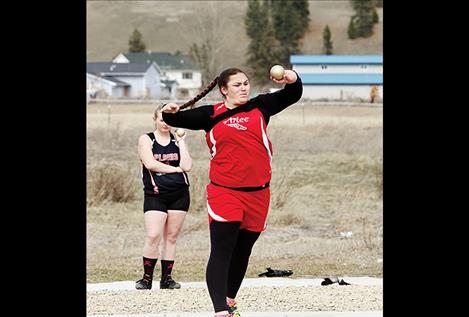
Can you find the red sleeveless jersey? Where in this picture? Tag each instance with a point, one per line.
(240, 148)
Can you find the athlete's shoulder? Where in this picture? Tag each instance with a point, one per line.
(255, 102)
(218, 108)
(146, 136)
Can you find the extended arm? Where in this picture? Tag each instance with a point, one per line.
(193, 119)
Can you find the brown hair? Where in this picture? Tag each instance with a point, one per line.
(224, 77)
(200, 95)
(221, 80)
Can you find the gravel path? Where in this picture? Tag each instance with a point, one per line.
(253, 299)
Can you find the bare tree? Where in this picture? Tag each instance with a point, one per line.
(209, 38)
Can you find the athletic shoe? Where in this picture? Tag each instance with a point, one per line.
(233, 310)
(143, 284)
(169, 283)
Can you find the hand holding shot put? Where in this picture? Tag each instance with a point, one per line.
(282, 76)
(179, 134)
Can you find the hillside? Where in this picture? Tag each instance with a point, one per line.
(174, 25)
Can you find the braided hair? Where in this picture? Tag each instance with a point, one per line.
(221, 80)
(200, 95)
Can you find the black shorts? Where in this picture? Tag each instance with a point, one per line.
(177, 200)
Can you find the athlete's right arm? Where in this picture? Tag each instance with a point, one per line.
(146, 156)
(193, 119)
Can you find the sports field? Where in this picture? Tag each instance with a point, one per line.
(326, 215)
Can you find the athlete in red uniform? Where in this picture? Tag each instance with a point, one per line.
(238, 194)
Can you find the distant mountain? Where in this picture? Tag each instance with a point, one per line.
(174, 25)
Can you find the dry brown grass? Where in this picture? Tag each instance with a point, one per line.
(108, 181)
(326, 183)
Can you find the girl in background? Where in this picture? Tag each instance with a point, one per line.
(165, 160)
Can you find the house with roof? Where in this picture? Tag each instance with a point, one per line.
(169, 89)
(102, 87)
(131, 80)
(340, 77)
(176, 67)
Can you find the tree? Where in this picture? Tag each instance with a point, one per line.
(327, 42)
(290, 20)
(375, 16)
(361, 24)
(201, 55)
(262, 49)
(275, 28)
(352, 29)
(135, 42)
(207, 37)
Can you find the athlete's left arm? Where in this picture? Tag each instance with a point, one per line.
(275, 102)
(185, 162)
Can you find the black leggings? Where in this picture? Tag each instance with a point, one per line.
(228, 262)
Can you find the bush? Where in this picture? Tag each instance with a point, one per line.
(110, 182)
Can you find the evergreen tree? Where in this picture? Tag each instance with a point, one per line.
(135, 42)
(352, 29)
(327, 42)
(262, 48)
(375, 16)
(290, 22)
(361, 24)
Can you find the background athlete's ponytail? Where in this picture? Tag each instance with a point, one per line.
(200, 95)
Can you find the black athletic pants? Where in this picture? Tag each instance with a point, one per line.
(229, 258)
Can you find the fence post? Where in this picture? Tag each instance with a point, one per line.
(303, 108)
(108, 115)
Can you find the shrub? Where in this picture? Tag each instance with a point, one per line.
(110, 182)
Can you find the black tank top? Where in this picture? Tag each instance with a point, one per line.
(162, 183)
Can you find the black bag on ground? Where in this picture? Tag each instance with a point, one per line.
(276, 273)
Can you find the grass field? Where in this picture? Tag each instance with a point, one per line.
(326, 215)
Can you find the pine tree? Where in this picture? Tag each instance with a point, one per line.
(352, 29)
(262, 48)
(327, 42)
(361, 24)
(375, 16)
(290, 22)
(135, 42)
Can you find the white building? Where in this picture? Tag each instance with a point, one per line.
(339, 77)
(102, 87)
(169, 89)
(131, 80)
(176, 67)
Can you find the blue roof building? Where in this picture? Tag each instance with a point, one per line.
(340, 77)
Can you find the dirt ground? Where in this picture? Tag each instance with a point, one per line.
(252, 299)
